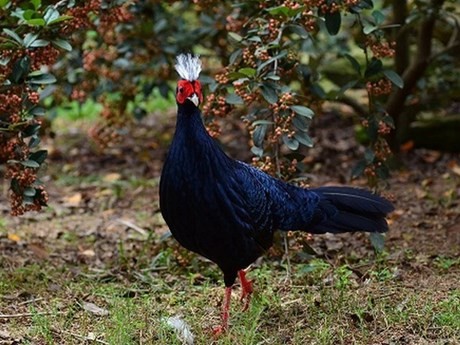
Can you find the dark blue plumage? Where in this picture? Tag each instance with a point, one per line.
(227, 210)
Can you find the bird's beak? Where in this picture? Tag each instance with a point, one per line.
(194, 98)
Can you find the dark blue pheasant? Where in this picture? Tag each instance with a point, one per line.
(227, 210)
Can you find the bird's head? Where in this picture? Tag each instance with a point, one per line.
(188, 88)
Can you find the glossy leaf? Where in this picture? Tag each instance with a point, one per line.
(304, 139)
(257, 151)
(302, 111)
(233, 98)
(43, 79)
(333, 22)
(30, 164)
(291, 143)
(269, 94)
(29, 191)
(13, 35)
(374, 67)
(258, 135)
(39, 156)
(62, 44)
(394, 78)
(358, 169)
(354, 63)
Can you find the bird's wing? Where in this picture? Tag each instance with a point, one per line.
(273, 204)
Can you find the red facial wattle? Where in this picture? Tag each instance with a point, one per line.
(186, 89)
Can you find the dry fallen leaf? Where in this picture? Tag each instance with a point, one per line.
(112, 177)
(73, 200)
(38, 250)
(94, 309)
(14, 237)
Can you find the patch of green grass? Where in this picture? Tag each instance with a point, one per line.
(445, 263)
(449, 311)
(322, 304)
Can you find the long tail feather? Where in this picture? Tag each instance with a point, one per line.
(356, 210)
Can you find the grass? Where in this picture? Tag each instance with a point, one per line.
(323, 304)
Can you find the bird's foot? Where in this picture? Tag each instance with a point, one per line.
(218, 330)
(246, 289)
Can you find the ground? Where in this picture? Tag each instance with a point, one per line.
(99, 266)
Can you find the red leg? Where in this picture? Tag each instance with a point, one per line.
(225, 313)
(246, 289)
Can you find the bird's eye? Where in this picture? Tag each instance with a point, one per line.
(181, 89)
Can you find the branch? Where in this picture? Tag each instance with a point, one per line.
(395, 103)
(402, 37)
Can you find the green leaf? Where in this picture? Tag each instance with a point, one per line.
(235, 37)
(257, 151)
(29, 39)
(39, 43)
(262, 122)
(302, 111)
(13, 35)
(3, 3)
(301, 123)
(59, 19)
(36, 3)
(39, 156)
(62, 44)
(379, 17)
(233, 98)
(285, 11)
(394, 78)
(30, 164)
(249, 72)
(29, 191)
(377, 240)
(283, 53)
(291, 143)
(354, 63)
(369, 28)
(37, 111)
(34, 141)
(369, 155)
(236, 75)
(333, 22)
(298, 29)
(234, 56)
(50, 14)
(15, 187)
(358, 169)
(303, 138)
(20, 69)
(43, 79)
(258, 136)
(374, 67)
(36, 22)
(269, 94)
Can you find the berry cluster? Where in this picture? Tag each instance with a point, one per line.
(380, 48)
(380, 87)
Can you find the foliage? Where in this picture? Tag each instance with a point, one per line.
(275, 64)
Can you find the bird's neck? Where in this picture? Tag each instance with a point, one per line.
(190, 127)
(192, 141)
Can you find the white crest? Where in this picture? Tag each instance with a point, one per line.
(188, 66)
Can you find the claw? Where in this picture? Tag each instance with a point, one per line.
(246, 289)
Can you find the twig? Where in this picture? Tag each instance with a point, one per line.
(133, 226)
(12, 316)
(30, 301)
